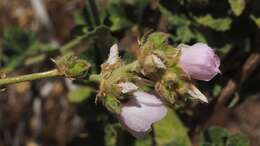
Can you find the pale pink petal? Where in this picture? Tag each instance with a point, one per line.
(137, 117)
(199, 61)
(146, 98)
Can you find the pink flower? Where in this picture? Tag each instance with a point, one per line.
(140, 112)
(199, 61)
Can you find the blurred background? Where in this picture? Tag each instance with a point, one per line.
(62, 112)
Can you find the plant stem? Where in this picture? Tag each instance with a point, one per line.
(94, 12)
(30, 77)
(64, 49)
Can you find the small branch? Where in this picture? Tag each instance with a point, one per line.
(30, 77)
(94, 12)
(249, 66)
(41, 13)
(66, 48)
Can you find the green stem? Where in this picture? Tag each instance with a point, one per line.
(94, 12)
(64, 49)
(30, 77)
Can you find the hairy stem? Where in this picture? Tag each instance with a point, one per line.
(30, 77)
(66, 48)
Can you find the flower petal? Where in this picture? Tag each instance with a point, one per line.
(137, 118)
(147, 98)
(199, 61)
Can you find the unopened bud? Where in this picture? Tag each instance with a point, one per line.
(72, 67)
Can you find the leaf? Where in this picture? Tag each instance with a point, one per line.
(173, 19)
(79, 94)
(256, 20)
(171, 131)
(238, 140)
(225, 49)
(215, 136)
(119, 22)
(78, 18)
(200, 37)
(17, 39)
(111, 134)
(218, 24)
(237, 6)
(184, 34)
(117, 15)
(112, 104)
(143, 141)
(18, 45)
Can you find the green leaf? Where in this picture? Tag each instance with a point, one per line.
(237, 6)
(174, 20)
(256, 20)
(78, 18)
(144, 141)
(200, 37)
(117, 15)
(18, 45)
(218, 24)
(119, 22)
(111, 134)
(216, 136)
(17, 39)
(171, 131)
(112, 104)
(225, 49)
(238, 140)
(79, 94)
(184, 34)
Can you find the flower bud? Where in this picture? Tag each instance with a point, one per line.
(72, 67)
(140, 112)
(199, 61)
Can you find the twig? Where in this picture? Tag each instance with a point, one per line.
(30, 77)
(94, 12)
(41, 13)
(64, 49)
(249, 66)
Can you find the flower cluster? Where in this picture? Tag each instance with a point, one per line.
(137, 93)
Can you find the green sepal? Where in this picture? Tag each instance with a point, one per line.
(112, 104)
